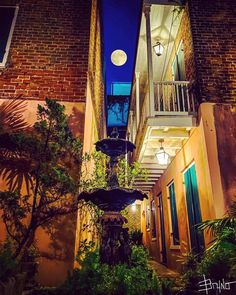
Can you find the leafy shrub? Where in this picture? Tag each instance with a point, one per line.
(216, 264)
(96, 278)
(190, 276)
(8, 265)
(136, 237)
(218, 261)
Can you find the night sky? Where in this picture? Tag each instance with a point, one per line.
(120, 20)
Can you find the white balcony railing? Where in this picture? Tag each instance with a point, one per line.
(173, 96)
(170, 98)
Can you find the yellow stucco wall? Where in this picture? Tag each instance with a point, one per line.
(201, 149)
(57, 257)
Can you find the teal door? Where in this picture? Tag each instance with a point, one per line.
(162, 225)
(193, 209)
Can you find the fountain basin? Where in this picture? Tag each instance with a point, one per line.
(114, 147)
(115, 199)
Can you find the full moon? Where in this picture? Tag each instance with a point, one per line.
(118, 57)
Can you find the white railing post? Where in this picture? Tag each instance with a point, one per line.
(147, 10)
(174, 96)
(137, 75)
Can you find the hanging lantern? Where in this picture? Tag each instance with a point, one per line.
(162, 157)
(158, 48)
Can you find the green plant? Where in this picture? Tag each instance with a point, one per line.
(136, 237)
(218, 260)
(94, 176)
(190, 274)
(216, 264)
(219, 257)
(100, 279)
(8, 265)
(97, 176)
(49, 158)
(223, 230)
(166, 286)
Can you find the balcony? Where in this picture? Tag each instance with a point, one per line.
(173, 96)
(163, 101)
(169, 115)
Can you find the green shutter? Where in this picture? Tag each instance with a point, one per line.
(174, 217)
(193, 208)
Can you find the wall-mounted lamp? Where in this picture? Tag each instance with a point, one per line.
(158, 48)
(162, 157)
(133, 207)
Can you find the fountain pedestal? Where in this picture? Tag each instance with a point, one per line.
(114, 246)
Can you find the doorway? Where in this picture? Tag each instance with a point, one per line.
(162, 227)
(193, 209)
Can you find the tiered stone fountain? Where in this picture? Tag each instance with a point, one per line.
(115, 247)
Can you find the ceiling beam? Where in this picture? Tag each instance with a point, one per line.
(153, 167)
(157, 134)
(145, 182)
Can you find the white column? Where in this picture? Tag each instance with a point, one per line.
(147, 10)
(137, 75)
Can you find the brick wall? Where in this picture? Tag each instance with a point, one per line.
(49, 50)
(213, 25)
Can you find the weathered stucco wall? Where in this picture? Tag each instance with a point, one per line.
(225, 123)
(201, 149)
(57, 242)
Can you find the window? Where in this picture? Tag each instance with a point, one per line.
(120, 88)
(7, 22)
(178, 69)
(179, 65)
(173, 215)
(153, 214)
(148, 217)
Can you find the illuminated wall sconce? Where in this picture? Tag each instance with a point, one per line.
(133, 206)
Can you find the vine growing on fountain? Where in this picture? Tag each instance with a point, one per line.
(96, 177)
(93, 177)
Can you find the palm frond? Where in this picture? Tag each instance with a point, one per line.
(15, 171)
(217, 225)
(11, 116)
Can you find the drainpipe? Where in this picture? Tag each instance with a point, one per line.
(147, 10)
(137, 75)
